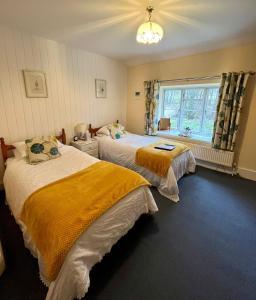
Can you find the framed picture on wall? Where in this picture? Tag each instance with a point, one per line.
(35, 84)
(101, 88)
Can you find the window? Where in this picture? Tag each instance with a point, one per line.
(191, 106)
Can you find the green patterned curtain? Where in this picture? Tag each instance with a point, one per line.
(152, 98)
(231, 98)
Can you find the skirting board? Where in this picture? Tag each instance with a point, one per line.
(247, 173)
(242, 172)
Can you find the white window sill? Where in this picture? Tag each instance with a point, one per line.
(173, 134)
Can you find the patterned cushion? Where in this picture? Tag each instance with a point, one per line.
(42, 149)
(116, 130)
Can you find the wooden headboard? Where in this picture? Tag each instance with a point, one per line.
(6, 148)
(94, 130)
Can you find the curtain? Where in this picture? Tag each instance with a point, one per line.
(231, 98)
(152, 99)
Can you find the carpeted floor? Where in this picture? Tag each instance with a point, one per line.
(202, 248)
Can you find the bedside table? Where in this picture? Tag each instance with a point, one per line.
(90, 147)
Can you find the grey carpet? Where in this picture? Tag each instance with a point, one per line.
(202, 248)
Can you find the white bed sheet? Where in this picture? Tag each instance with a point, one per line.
(22, 179)
(123, 151)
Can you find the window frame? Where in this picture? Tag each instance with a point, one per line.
(183, 87)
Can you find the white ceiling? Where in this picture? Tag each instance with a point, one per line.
(108, 27)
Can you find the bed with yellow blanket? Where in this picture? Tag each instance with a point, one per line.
(72, 210)
(158, 160)
(161, 168)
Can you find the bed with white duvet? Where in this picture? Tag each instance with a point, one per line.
(22, 179)
(122, 151)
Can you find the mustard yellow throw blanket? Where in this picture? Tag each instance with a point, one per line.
(57, 214)
(156, 160)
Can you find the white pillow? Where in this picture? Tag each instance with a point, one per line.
(20, 150)
(103, 131)
(60, 145)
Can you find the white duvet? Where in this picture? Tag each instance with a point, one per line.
(123, 151)
(22, 179)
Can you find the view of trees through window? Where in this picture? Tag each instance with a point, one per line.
(193, 107)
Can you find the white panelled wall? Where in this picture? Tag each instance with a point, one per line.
(70, 74)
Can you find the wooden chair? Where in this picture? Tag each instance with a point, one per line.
(164, 124)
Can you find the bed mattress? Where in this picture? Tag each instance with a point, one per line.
(122, 151)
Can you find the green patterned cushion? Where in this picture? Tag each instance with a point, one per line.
(42, 149)
(116, 130)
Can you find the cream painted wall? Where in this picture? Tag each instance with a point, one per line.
(204, 64)
(71, 88)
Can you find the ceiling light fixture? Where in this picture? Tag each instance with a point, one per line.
(149, 32)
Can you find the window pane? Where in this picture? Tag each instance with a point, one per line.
(172, 99)
(191, 119)
(195, 93)
(210, 111)
(193, 104)
(213, 93)
(208, 123)
(212, 99)
(174, 123)
(192, 109)
(171, 106)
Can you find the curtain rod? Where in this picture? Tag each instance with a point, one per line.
(191, 78)
(198, 78)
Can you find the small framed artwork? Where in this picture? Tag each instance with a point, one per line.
(101, 88)
(35, 84)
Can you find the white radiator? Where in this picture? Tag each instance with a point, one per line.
(204, 153)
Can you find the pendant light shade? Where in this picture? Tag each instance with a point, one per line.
(149, 32)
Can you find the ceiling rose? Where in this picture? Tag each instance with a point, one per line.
(149, 32)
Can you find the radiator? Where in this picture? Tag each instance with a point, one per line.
(204, 153)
